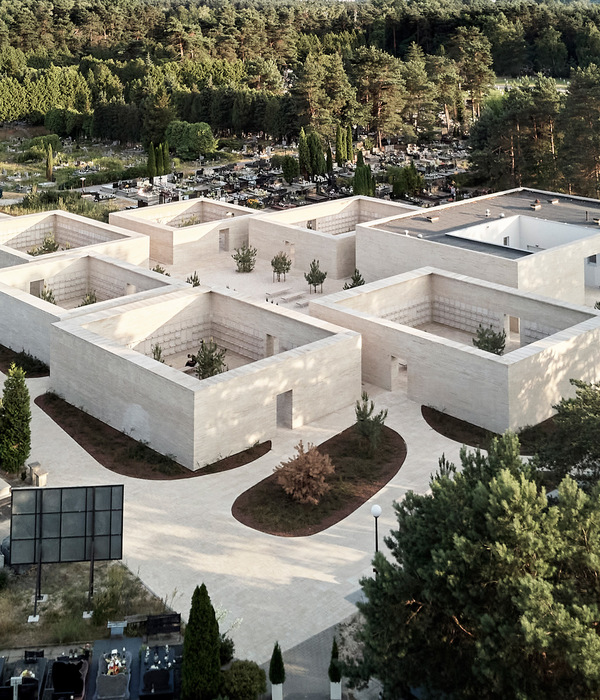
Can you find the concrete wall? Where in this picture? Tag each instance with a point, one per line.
(9, 257)
(25, 319)
(539, 376)
(495, 392)
(381, 254)
(559, 272)
(463, 381)
(25, 322)
(323, 377)
(334, 252)
(161, 223)
(180, 415)
(134, 394)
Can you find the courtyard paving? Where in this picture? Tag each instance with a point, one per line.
(178, 534)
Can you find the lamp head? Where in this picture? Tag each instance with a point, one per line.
(376, 511)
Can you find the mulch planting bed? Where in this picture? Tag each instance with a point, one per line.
(475, 436)
(8, 356)
(267, 508)
(124, 455)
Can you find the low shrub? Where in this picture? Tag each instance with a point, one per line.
(226, 650)
(245, 680)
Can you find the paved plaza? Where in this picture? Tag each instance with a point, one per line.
(178, 534)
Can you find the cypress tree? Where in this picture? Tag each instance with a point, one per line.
(304, 155)
(49, 163)
(317, 159)
(334, 671)
(151, 162)
(166, 158)
(340, 146)
(158, 157)
(349, 148)
(276, 667)
(360, 160)
(329, 160)
(201, 666)
(15, 421)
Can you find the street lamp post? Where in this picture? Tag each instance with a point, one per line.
(82, 183)
(376, 512)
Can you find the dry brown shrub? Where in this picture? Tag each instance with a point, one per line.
(303, 477)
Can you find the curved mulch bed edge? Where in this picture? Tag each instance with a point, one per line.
(8, 356)
(123, 455)
(474, 436)
(244, 506)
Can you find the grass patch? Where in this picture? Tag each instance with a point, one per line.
(122, 454)
(33, 366)
(117, 593)
(267, 508)
(530, 437)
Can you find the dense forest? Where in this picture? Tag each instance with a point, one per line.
(125, 69)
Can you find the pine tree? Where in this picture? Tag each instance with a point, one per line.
(15, 421)
(304, 155)
(369, 424)
(151, 162)
(315, 276)
(210, 359)
(276, 667)
(201, 667)
(357, 280)
(303, 477)
(349, 147)
(490, 591)
(281, 264)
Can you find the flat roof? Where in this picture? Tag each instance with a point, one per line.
(460, 215)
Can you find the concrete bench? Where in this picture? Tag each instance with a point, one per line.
(278, 293)
(292, 297)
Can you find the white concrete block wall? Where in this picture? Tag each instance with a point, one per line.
(183, 335)
(68, 287)
(465, 317)
(541, 376)
(323, 377)
(414, 313)
(9, 257)
(160, 224)
(259, 320)
(195, 242)
(134, 394)
(335, 253)
(25, 322)
(531, 331)
(381, 254)
(465, 382)
(338, 223)
(371, 209)
(29, 238)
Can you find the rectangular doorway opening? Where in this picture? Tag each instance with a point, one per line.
(290, 249)
(284, 409)
(224, 239)
(398, 369)
(36, 287)
(272, 345)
